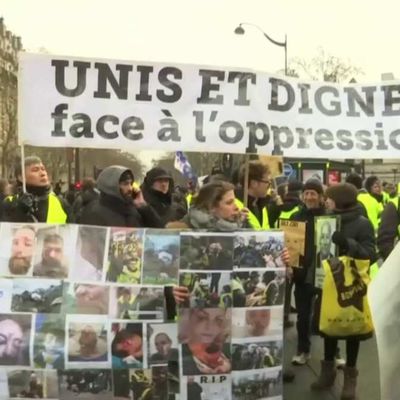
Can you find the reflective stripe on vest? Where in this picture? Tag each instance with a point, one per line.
(253, 220)
(55, 212)
(373, 208)
(288, 214)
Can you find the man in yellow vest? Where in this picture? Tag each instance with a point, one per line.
(257, 202)
(39, 203)
(372, 200)
(389, 227)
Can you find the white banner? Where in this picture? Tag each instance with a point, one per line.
(94, 103)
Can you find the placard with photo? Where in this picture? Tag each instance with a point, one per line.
(37, 295)
(132, 383)
(137, 302)
(162, 340)
(258, 249)
(206, 251)
(127, 345)
(210, 387)
(125, 252)
(6, 288)
(15, 332)
(33, 384)
(17, 246)
(207, 290)
(325, 249)
(54, 251)
(87, 342)
(161, 257)
(90, 254)
(258, 288)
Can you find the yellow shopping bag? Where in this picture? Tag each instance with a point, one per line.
(344, 306)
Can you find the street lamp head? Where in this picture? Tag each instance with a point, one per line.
(239, 30)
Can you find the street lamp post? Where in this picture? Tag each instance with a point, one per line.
(240, 31)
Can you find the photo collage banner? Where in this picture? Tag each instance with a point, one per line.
(83, 313)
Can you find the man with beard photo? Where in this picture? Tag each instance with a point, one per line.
(14, 339)
(22, 246)
(52, 264)
(87, 344)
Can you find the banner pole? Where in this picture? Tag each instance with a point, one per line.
(246, 180)
(23, 168)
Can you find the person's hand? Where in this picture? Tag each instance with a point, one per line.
(26, 202)
(244, 214)
(339, 239)
(138, 199)
(181, 294)
(285, 256)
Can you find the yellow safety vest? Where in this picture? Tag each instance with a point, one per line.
(373, 207)
(189, 199)
(55, 211)
(288, 214)
(386, 197)
(253, 220)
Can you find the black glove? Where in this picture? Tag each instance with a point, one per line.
(340, 240)
(27, 203)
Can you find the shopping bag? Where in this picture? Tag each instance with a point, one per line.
(344, 306)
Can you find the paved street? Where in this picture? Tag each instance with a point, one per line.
(368, 386)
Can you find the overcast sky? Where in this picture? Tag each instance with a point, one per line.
(201, 31)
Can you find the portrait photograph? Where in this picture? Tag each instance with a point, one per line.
(86, 298)
(258, 288)
(137, 302)
(17, 246)
(295, 232)
(89, 254)
(205, 335)
(54, 251)
(15, 334)
(207, 290)
(256, 322)
(87, 342)
(258, 250)
(127, 345)
(325, 248)
(49, 341)
(33, 384)
(161, 257)
(206, 251)
(162, 340)
(125, 252)
(132, 384)
(37, 295)
(85, 384)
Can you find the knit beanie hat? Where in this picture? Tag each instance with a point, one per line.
(369, 182)
(314, 184)
(343, 194)
(155, 174)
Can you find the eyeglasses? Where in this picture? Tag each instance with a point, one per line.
(269, 182)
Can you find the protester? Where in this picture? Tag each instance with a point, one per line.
(127, 348)
(313, 198)
(87, 194)
(5, 191)
(389, 227)
(158, 188)
(119, 204)
(39, 203)
(373, 200)
(257, 201)
(165, 351)
(354, 239)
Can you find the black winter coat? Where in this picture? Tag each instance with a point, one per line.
(112, 211)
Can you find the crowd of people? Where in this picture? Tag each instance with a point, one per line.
(370, 220)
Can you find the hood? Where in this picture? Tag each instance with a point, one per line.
(108, 180)
(157, 173)
(199, 219)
